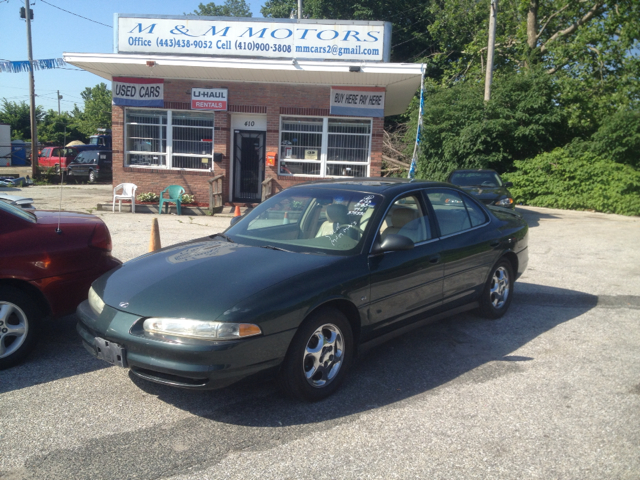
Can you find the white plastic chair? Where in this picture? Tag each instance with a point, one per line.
(128, 192)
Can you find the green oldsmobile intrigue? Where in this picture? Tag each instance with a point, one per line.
(305, 281)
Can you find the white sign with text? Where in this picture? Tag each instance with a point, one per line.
(187, 36)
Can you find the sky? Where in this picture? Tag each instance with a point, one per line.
(55, 31)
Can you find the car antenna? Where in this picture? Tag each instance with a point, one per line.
(58, 230)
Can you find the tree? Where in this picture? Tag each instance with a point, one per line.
(19, 117)
(97, 110)
(58, 129)
(522, 119)
(230, 8)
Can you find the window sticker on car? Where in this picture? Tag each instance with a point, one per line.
(362, 206)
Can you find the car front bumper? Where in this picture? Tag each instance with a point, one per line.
(175, 361)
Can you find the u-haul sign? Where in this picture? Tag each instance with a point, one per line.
(209, 99)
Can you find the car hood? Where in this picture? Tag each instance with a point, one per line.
(487, 194)
(200, 279)
(52, 217)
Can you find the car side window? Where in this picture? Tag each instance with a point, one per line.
(406, 217)
(476, 214)
(454, 212)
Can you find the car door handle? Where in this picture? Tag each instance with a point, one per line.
(495, 243)
(434, 259)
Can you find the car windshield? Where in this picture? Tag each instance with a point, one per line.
(470, 179)
(17, 211)
(309, 220)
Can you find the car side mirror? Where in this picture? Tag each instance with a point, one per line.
(393, 243)
(508, 184)
(235, 220)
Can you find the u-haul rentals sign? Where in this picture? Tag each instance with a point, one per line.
(209, 99)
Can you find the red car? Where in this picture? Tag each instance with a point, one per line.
(48, 261)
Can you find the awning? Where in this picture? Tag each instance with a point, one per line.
(401, 80)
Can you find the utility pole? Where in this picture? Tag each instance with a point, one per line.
(299, 9)
(492, 42)
(59, 98)
(32, 95)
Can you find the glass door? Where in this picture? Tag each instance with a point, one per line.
(248, 167)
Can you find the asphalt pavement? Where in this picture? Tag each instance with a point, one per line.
(551, 390)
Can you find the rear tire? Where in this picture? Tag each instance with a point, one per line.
(92, 176)
(498, 291)
(319, 356)
(19, 325)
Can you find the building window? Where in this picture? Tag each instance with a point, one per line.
(169, 139)
(325, 147)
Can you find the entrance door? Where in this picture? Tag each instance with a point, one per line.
(248, 167)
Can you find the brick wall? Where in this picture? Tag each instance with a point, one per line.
(274, 99)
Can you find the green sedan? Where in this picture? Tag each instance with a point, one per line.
(303, 283)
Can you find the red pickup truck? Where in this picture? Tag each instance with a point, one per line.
(56, 157)
(59, 158)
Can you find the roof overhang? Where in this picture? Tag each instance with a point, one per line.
(401, 80)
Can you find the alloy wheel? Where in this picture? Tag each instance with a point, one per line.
(499, 290)
(14, 327)
(323, 355)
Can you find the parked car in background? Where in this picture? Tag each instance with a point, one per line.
(91, 164)
(59, 158)
(17, 200)
(48, 261)
(304, 281)
(486, 185)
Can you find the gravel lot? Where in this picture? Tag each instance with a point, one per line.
(551, 390)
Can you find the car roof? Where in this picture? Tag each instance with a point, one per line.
(380, 185)
(471, 170)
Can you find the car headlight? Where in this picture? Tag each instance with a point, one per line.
(505, 202)
(185, 327)
(95, 302)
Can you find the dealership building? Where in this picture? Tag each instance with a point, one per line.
(256, 104)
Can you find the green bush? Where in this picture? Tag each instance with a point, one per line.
(186, 198)
(522, 119)
(148, 197)
(585, 181)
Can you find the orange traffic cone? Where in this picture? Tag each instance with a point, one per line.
(237, 212)
(285, 220)
(154, 243)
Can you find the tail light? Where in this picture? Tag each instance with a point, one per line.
(101, 238)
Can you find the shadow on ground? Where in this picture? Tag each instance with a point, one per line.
(533, 217)
(465, 348)
(59, 354)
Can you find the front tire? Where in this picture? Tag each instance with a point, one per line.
(319, 356)
(19, 322)
(498, 291)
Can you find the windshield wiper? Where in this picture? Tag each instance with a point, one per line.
(221, 235)
(272, 247)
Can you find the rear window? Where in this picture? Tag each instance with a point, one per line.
(17, 211)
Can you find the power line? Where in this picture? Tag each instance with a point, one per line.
(54, 6)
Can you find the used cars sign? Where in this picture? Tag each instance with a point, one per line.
(139, 92)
